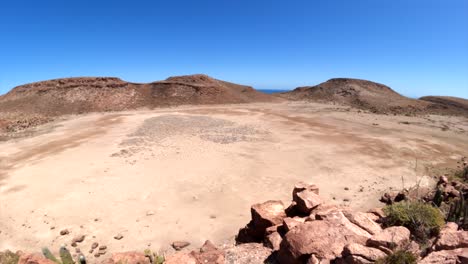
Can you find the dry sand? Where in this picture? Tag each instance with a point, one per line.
(191, 173)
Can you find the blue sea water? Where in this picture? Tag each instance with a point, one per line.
(270, 91)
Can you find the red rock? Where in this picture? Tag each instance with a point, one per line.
(325, 239)
(34, 259)
(180, 258)
(178, 245)
(289, 222)
(363, 221)
(450, 191)
(267, 214)
(442, 180)
(451, 238)
(378, 212)
(128, 258)
(306, 201)
(368, 253)
(454, 256)
(209, 254)
(273, 241)
(264, 215)
(301, 186)
(272, 229)
(392, 237)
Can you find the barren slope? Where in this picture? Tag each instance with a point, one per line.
(35, 103)
(453, 104)
(363, 94)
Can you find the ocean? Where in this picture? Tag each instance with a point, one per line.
(270, 91)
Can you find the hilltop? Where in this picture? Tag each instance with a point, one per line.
(36, 103)
(375, 97)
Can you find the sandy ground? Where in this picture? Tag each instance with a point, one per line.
(192, 173)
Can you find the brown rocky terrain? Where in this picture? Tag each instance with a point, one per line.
(35, 103)
(375, 97)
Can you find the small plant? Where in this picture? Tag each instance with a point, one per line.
(65, 256)
(458, 212)
(423, 220)
(398, 257)
(153, 257)
(8, 257)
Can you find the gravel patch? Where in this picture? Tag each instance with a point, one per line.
(156, 129)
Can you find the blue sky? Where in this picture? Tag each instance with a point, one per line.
(418, 47)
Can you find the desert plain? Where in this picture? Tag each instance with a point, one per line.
(191, 173)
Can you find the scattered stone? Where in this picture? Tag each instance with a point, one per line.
(52, 227)
(118, 236)
(78, 239)
(149, 213)
(64, 232)
(209, 254)
(102, 247)
(73, 244)
(346, 188)
(96, 244)
(301, 186)
(178, 245)
(77, 250)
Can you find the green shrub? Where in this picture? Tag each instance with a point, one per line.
(423, 220)
(398, 257)
(8, 257)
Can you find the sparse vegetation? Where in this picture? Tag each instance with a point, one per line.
(8, 257)
(423, 220)
(65, 256)
(398, 257)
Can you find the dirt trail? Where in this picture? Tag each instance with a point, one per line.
(191, 173)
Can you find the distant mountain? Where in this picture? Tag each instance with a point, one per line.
(367, 95)
(448, 102)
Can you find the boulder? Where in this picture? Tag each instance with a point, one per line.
(181, 257)
(325, 239)
(454, 256)
(338, 218)
(363, 221)
(247, 253)
(450, 238)
(268, 214)
(306, 201)
(291, 222)
(392, 237)
(34, 259)
(378, 212)
(273, 241)
(128, 258)
(178, 245)
(264, 215)
(361, 251)
(208, 254)
(301, 186)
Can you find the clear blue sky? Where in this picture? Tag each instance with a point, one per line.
(418, 47)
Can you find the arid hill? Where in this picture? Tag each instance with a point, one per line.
(375, 97)
(362, 94)
(78, 95)
(448, 102)
(32, 104)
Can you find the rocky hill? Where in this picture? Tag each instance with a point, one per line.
(454, 104)
(78, 95)
(35, 103)
(371, 96)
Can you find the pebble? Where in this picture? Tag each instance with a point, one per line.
(95, 245)
(64, 232)
(178, 245)
(118, 236)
